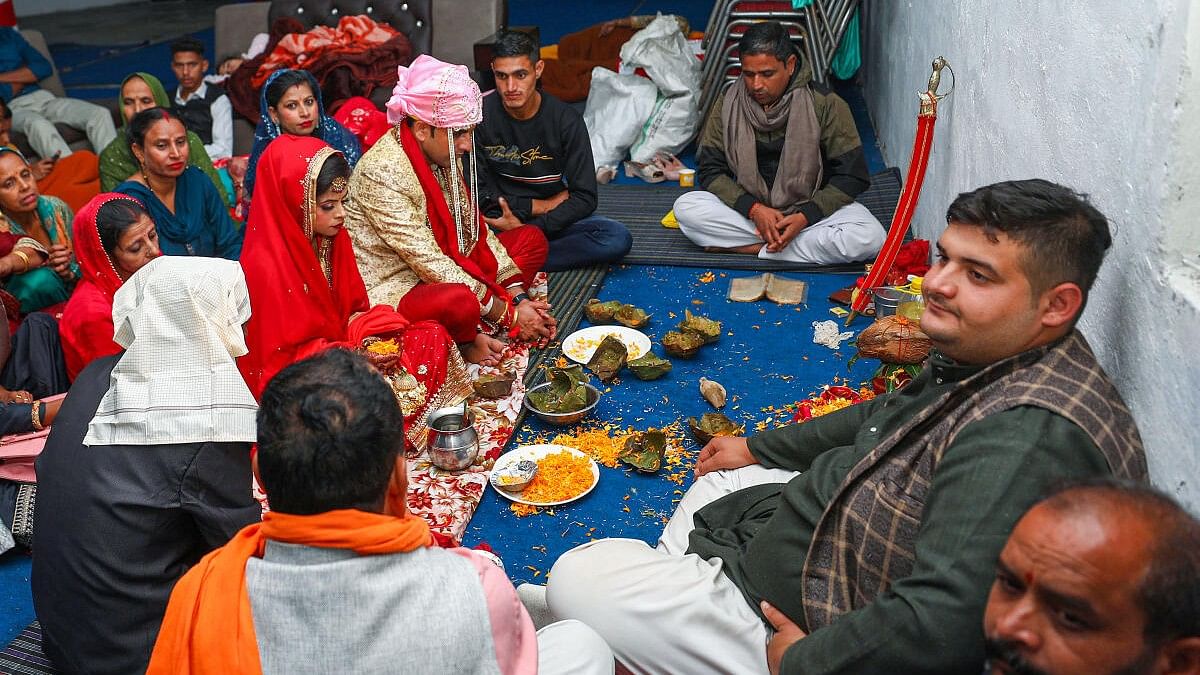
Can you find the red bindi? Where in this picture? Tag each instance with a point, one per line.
(1029, 578)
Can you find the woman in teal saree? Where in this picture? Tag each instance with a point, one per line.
(44, 219)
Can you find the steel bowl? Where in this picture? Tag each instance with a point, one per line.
(564, 419)
(888, 298)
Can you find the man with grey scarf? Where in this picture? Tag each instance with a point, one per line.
(780, 163)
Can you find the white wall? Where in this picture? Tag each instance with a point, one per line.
(1100, 95)
(32, 7)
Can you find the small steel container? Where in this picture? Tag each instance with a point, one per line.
(453, 441)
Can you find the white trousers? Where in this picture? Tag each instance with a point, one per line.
(36, 113)
(659, 610)
(573, 647)
(849, 234)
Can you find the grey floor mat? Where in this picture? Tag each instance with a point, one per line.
(641, 208)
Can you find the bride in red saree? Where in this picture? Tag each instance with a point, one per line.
(306, 294)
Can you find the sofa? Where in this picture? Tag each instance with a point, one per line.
(465, 20)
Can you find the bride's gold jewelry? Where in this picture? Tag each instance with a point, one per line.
(409, 392)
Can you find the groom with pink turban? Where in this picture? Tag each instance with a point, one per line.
(418, 236)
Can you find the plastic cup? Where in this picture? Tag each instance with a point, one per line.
(687, 178)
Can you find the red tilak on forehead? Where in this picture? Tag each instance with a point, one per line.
(1029, 578)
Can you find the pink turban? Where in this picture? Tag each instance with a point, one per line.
(439, 94)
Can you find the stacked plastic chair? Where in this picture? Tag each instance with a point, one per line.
(815, 29)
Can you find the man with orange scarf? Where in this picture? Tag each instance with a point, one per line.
(338, 574)
(418, 236)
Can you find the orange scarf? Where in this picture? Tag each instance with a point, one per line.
(209, 627)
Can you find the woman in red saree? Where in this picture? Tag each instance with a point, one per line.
(114, 237)
(306, 294)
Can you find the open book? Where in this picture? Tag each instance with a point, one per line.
(775, 288)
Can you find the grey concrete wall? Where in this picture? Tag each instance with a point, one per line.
(35, 7)
(1101, 95)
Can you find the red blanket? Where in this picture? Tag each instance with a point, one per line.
(354, 59)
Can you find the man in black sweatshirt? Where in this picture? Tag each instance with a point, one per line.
(535, 164)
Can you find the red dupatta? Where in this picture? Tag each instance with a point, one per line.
(86, 327)
(295, 310)
(480, 263)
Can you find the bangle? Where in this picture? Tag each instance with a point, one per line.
(36, 415)
(510, 315)
(25, 258)
(492, 307)
(519, 298)
(514, 328)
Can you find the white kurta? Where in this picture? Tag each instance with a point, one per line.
(850, 234)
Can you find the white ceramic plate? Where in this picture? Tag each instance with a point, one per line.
(534, 453)
(580, 345)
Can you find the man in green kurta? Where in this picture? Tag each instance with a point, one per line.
(877, 558)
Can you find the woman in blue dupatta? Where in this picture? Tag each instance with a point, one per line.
(44, 219)
(290, 103)
(188, 211)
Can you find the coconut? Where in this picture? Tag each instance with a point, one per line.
(894, 339)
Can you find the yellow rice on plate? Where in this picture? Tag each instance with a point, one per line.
(560, 476)
(581, 348)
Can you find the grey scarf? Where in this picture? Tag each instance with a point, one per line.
(800, 166)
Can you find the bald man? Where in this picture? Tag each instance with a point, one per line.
(1100, 577)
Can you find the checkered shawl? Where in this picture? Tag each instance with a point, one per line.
(180, 321)
(866, 537)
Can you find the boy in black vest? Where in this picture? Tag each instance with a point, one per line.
(203, 106)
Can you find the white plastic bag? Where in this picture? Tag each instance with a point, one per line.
(662, 50)
(628, 113)
(669, 128)
(617, 105)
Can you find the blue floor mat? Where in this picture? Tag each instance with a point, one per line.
(16, 603)
(769, 360)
